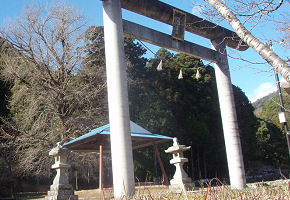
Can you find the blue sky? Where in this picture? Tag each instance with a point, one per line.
(250, 78)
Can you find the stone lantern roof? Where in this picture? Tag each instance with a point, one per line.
(177, 147)
(58, 150)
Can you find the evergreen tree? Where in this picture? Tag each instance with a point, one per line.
(185, 108)
(248, 124)
(188, 109)
(272, 140)
(272, 145)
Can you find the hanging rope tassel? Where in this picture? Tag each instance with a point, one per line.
(180, 74)
(159, 67)
(197, 76)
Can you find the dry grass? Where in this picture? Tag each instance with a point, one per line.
(258, 191)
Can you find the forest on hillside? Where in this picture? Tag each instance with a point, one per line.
(269, 107)
(53, 89)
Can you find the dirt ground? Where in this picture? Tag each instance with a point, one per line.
(108, 193)
(278, 189)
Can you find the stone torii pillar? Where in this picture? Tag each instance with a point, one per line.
(229, 116)
(121, 144)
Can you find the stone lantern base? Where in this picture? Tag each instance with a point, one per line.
(177, 186)
(61, 192)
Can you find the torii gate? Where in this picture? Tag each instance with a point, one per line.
(121, 147)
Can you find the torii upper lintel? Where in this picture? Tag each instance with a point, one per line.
(164, 13)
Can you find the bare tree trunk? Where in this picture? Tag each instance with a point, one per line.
(263, 50)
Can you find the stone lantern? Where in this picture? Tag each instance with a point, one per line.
(60, 189)
(180, 181)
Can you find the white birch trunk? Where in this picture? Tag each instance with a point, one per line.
(263, 50)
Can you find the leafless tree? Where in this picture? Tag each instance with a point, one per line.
(54, 97)
(283, 26)
(251, 13)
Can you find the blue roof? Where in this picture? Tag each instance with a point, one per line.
(136, 132)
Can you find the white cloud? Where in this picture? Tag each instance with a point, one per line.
(197, 10)
(262, 90)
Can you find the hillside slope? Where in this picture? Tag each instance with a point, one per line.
(260, 103)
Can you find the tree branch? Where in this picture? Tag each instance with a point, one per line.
(263, 50)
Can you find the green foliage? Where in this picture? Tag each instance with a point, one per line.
(248, 125)
(189, 109)
(4, 96)
(272, 109)
(272, 145)
(5, 87)
(186, 108)
(7, 149)
(271, 136)
(144, 163)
